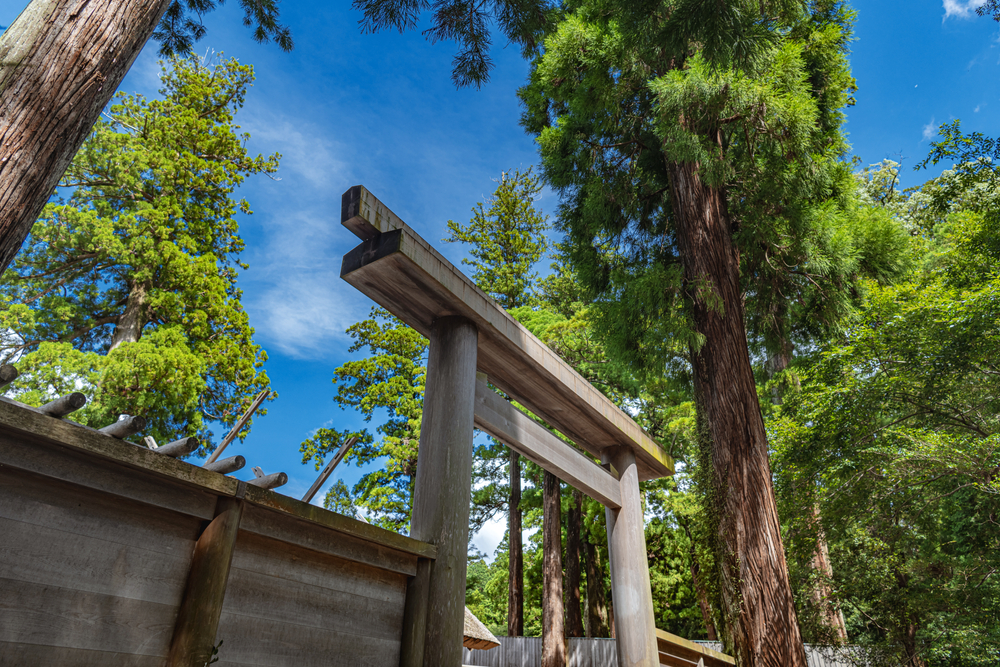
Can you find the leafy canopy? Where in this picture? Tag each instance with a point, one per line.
(127, 291)
(179, 28)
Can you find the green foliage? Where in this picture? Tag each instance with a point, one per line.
(896, 439)
(178, 30)
(506, 241)
(468, 23)
(127, 291)
(612, 109)
(390, 381)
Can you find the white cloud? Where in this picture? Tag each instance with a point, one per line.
(976, 110)
(930, 129)
(962, 9)
(304, 315)
(307, 156)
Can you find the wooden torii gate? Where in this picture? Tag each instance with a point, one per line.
(469, 331)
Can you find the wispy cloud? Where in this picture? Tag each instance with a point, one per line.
(961, 9)
(930, 129)
(295, 297)
(308, 157)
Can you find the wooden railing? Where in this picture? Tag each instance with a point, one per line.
(679, 652)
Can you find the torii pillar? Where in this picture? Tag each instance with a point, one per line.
(443, 487)
(635, 626)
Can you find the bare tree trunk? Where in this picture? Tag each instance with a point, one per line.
(761, 624)
(822, 595)
(60, 63)
(699, 587)
(574, 525)
(515, 581)
(130, 323)
(553, 630)
(597, 606)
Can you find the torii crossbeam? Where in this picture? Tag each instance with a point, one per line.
(469, 331)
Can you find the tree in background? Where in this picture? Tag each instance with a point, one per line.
(128, 290)
(688, 173)
(392, 379)
(895, 434)
(60, 63)
(505, 242)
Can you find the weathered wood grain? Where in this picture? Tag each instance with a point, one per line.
(503, 421)
(107, 475)
(630, 589)
(77, 510)
(201, 604)
(288, 529)
(35, 655)
(282, 601)
(255, 641)
(266, 556)
(56, 616)
(443, 485)
(685, 649)
(32, 426)
(403, 273)
(338, 522)
(50, 557)
(414, 636)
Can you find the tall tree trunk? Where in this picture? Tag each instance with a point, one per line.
(128, 329)
(597, 606)
(60, 63)
(574, 525)
(822, 594)
(699, 587)
(553, 631)
(515, 581)
(761, 625)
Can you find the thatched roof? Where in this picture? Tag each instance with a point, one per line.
(476, 634)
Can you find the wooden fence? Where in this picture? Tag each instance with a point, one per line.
(116, 555)
(592, 652)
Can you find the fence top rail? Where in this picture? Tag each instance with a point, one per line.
(674, 646)
(24, 422)
(403, 273)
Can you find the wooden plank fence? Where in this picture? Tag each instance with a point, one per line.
(114, 555)
(596, 652)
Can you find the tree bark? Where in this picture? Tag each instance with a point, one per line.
(574, 525)
(822, 595)
(515, 581)
(60, 63)
(129, 326)
(597, 606)
(761, 623)
(553, 629)
(699, 587)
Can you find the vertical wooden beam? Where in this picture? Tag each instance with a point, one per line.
(411, 652)
(630, 591)
(443, 486)
(201, 606)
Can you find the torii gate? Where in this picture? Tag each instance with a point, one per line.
(468, 331)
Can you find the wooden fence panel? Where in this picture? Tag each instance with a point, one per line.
(289, 605)
(84, 572)
(596, 652)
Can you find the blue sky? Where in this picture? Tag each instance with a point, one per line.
(380, 110)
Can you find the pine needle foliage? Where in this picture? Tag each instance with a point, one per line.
(127, 291)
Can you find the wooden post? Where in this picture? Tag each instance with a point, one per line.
(411, 650)
(201, 606)
(630, 591)
(443, 486)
